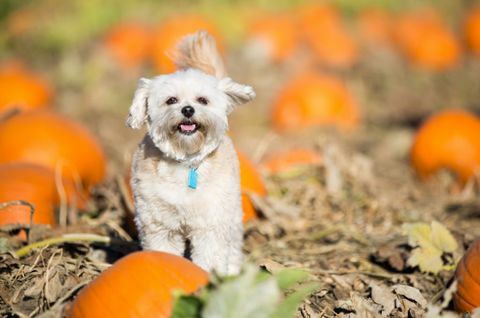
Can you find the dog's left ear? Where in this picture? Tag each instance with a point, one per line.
(237, 93)
(138, 110)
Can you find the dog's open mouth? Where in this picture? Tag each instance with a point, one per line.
(188, 127)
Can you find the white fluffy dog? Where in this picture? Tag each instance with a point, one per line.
(185, 172)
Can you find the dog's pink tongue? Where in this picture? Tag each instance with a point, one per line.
(188, 127)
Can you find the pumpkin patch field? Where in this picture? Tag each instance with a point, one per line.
(359, 158)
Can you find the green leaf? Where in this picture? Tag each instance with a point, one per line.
(243, 297)
(286, 278)
(263, 275)
(187, 307)
(289, 306)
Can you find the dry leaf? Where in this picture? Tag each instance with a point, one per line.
(384, 297)
(410, 293)
(271, 266)
(434, 311)
(428, 259)
(363, 308)
(442, 238)
(430, 242)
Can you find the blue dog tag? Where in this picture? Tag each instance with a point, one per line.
(192, 178)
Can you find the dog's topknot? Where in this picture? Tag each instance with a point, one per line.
(199, 50)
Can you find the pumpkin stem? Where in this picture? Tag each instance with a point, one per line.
(65, 238)
(4, 205)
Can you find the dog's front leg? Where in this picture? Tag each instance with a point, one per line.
(164, 240)
(156, 235)
(218, 248)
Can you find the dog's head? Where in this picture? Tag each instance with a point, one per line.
(186, 112)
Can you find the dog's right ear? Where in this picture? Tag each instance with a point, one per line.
(138, 110)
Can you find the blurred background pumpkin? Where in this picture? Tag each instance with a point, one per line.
(312, 99)
(472, 30)
(22, 89)
(375, 27)
(128, 43)
(56, 142)
(33, 184)
(448, 140)
(250, 182)
(426, 40)
(168, 33)
(291, 159)
(323, 30)
(272, 37)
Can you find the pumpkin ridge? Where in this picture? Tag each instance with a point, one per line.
(474, 250)
(161, 310)
(160, 276)
(461, 298)
(471, 277)
(184, 283)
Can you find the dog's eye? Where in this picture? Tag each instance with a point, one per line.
(202, 100)
(171, 101)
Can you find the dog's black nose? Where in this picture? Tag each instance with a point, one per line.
(188, 111)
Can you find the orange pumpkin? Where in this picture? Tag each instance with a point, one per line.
(22, 89)
(323, 30)
(168, 34)
(250, 181)
(426, 40)
(31, 183)
(54, 141)
(375, 26)
(450, 140)
(472, 30)
(467, 296)
(128, 43)
(139, 285)
(312, 99)
(285, 161)
(274, 35)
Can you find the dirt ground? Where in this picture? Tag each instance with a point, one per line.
(341, 221)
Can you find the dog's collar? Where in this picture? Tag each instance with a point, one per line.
(192, 178)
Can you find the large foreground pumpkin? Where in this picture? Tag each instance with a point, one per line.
(250, 181)
(128, 43)
(467, 296)
(168, 34)
(426, 40)
(139, 285)
(54, 141)
(313, 99)
(22, 89)
(472, 30)
(33, 184)
(448, 140)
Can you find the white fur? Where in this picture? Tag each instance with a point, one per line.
(168, 212)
